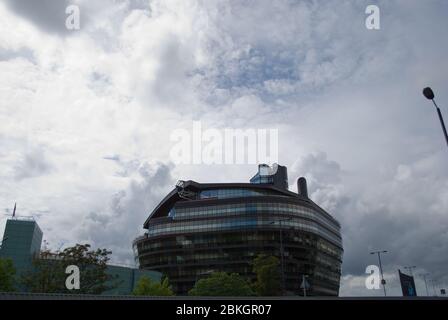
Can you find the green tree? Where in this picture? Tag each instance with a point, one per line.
(147, 287)
(268, 275)
(7, 275)
(221, 284)
(92, 265)
(48, 272)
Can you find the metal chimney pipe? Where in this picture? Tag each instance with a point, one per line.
(302, 189)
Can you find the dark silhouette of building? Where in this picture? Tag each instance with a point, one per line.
(201, 228)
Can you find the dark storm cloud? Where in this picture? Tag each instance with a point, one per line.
(341, 88)
(25, 53)
(117, 227)
(139, 4)
(33, 163)
(317, 166)
(127, 168)
(48, 15)
(403, 214)
(418, 237)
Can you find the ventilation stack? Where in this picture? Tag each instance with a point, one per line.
(302, 188)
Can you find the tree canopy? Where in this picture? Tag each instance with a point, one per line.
(221, 284)
(48, 272)
(268, 275)
(147, 287)
(7, 275)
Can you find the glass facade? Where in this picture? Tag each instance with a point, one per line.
(126, 279)
(234, 193)
(245, 215)
(258, 179)
(225, 229)
(21, 240)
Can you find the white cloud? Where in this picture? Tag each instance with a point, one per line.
(347, 103)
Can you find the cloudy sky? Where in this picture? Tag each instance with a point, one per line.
(86, 115)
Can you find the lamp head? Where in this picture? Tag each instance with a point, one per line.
(428, 93)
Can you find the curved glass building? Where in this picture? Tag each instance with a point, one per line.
(201, 228)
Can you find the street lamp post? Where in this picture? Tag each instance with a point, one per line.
(304, 284)
(434, 287)
(429, 94)
(282, 263)
(426, 282)
(383, 282)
